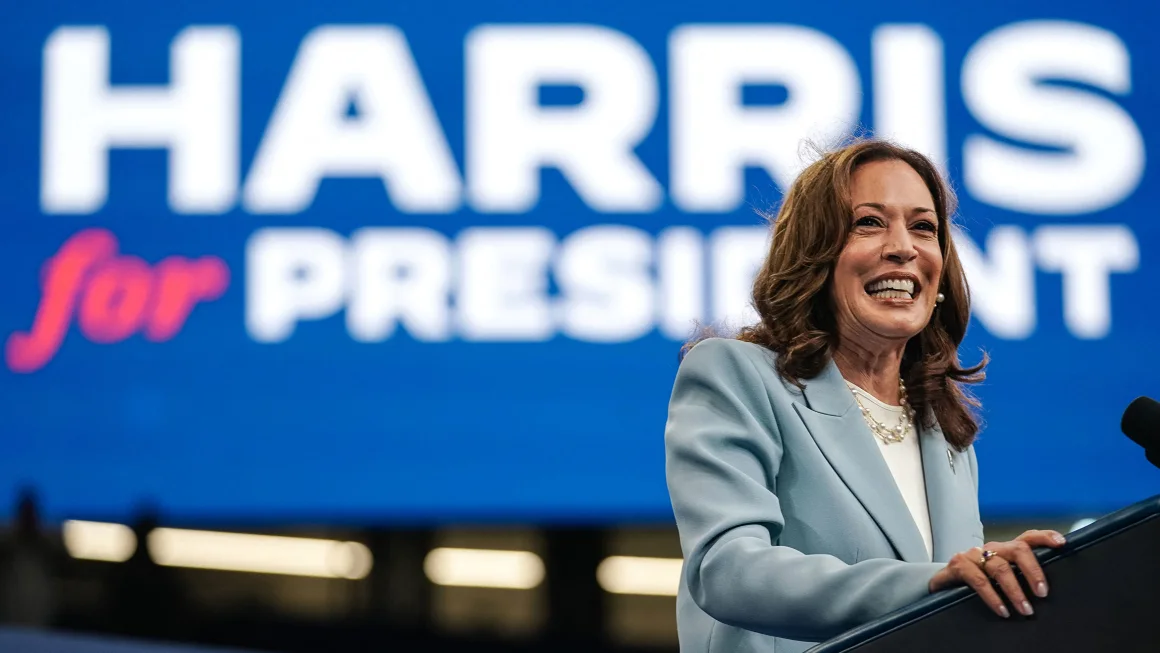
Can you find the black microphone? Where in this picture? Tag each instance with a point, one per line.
(1141, 423)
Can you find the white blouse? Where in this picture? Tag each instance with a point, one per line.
(905, 462)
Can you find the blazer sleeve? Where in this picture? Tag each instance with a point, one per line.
(723, 452)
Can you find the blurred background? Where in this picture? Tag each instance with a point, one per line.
(351, 325)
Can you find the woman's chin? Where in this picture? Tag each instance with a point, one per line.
(897, 327)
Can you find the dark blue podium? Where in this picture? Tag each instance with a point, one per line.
(1105, 596)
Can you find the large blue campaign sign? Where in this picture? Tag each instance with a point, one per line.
(357, 260)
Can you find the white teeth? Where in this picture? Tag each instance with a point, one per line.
(904, 285)
(892, 294)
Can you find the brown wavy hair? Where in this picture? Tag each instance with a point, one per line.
(792, 290)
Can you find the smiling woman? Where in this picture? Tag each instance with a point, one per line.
(820, 465)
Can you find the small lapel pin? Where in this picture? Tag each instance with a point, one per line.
(951, 461)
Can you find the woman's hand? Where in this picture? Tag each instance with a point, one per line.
(965, 569)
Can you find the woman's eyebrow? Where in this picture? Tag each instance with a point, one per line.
(882, 207)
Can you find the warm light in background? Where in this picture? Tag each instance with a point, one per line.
(90, 540)
(263, 554)
(518, 570)
(637, 575)
(298, 556)
(267, 554)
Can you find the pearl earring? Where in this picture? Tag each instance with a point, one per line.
(938, 299)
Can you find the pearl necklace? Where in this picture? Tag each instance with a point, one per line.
(888, 435)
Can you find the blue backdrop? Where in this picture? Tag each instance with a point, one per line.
(383, 261)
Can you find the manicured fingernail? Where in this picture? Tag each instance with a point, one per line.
(1058, 539)
(1041, 589)
(1003, 612)
(1027, 610)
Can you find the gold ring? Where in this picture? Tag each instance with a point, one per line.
(987, 555)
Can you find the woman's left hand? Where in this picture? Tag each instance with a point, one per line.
(965, 568)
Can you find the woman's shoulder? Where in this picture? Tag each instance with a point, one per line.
(741, 374)
(732, 359)
(718, 348)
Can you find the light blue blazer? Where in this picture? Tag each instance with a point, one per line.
(792, 527)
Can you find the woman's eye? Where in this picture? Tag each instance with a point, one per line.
(867, 221)
(926, 225)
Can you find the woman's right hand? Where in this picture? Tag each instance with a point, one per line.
(965, 569)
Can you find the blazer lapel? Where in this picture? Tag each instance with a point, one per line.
(837, 426)
(945, 472)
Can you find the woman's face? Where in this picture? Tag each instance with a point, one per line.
(887, 277)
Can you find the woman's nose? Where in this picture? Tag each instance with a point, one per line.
(899, 247)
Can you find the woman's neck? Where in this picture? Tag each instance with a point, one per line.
(876, 372)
